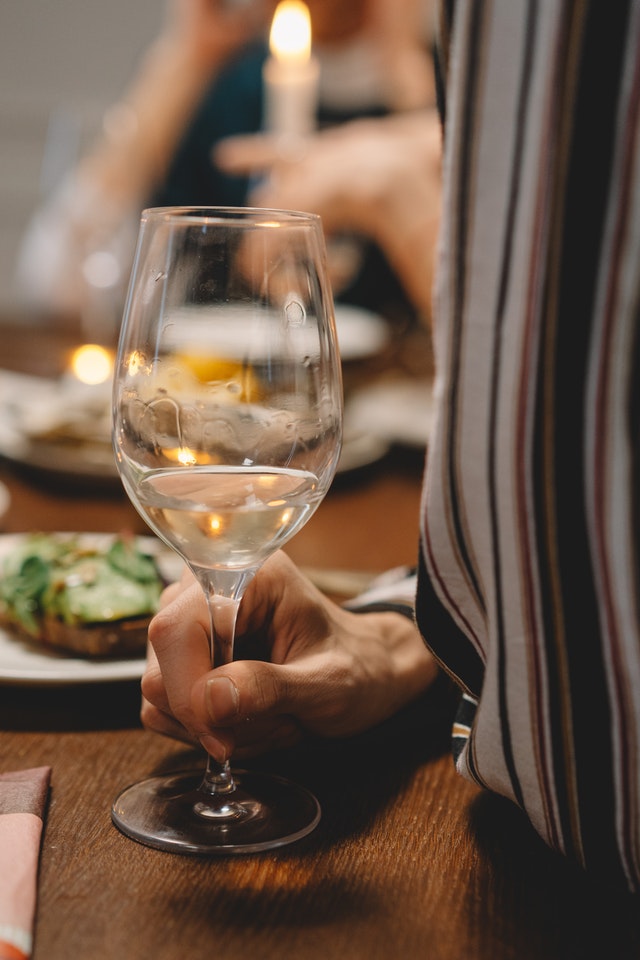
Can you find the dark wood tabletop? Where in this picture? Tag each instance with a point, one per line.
(408, 861)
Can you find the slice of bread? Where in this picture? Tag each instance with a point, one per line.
(94, 598)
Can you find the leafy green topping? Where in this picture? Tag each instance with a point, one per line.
(124, 557)
(62, 577)
(21, 592)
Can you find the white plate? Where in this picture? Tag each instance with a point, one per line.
(31, 665)
(397, 411)
(361, 333)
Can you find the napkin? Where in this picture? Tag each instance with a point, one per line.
(23, 799)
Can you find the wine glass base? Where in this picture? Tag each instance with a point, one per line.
(170, 813)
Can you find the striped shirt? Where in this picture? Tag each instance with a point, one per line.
(529, 583)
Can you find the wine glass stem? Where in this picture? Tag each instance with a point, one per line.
(223, 601)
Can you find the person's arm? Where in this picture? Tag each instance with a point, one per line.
(142, 131)
(98, 204)
(331, 672)
(402, 31)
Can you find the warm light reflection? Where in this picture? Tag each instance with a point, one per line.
(286, 517)
(215, 523)
(182, 455)
(92, 364)
(186, 457)
(290, 37)
(135, 363)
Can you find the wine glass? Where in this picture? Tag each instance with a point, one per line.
(227, 431)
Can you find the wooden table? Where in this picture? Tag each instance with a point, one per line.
(409, 861)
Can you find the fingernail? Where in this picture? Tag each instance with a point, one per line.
(218, 750)
(222, 699)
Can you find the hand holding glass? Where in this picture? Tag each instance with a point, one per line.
(227, 432)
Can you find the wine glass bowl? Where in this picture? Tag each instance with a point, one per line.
(227, 430)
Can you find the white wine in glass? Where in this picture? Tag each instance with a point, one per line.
(227, 412)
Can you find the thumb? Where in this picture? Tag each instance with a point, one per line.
(244, 706)
(244, 689)
(317, 693)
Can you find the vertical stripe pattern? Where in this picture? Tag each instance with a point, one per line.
(531, 529)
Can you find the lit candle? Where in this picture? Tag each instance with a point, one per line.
(291, 74)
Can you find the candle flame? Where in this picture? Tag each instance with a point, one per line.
(290, 37)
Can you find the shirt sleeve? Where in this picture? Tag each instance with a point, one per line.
(531, 528)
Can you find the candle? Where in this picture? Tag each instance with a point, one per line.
(291, 74)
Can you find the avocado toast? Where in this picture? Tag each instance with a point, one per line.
(89, 596)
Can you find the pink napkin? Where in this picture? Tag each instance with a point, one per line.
(23, 799)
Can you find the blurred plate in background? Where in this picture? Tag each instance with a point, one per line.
(230, 327)
(63, 430)
(396, 411)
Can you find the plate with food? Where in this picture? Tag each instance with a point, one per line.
(61, 430)
(57, 427)
(74, 607)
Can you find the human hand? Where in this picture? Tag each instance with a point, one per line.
(348, 174)
(380, 178)
(331, 673)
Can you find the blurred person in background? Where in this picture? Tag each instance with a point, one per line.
(200, 83)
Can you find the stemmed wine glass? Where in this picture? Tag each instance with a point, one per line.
(227, 411)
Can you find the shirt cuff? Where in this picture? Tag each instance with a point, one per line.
(393, 591)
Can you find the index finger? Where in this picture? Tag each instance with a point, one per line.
(246, 153)
(179, 635)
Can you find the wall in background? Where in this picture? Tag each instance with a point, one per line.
(62, 63)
